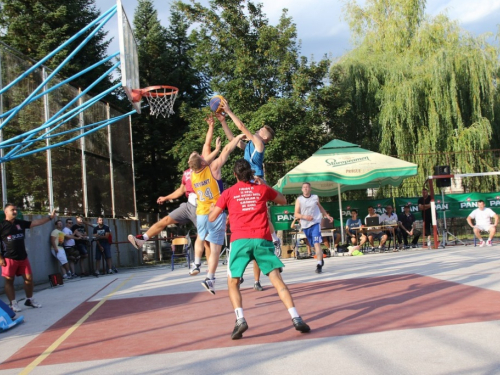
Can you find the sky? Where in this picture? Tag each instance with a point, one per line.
(320, 26)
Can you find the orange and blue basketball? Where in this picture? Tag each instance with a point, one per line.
(215, 104)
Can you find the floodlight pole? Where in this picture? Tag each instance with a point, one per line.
(46, 114)
(2, 165)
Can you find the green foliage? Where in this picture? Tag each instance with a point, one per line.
(425, 86)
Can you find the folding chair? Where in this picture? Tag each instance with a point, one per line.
(185, 243)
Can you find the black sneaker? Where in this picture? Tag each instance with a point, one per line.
(239, 327)
(300, 325)
(258, 287)
(195, 269)
(319, 268)
(209, 285)
(32, 303)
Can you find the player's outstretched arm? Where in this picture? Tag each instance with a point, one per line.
(176, 194)
(43, 220)
(210, 158)
(208, 138)
(241, 126)
(325, 214)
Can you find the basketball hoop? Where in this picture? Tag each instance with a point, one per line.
(160, 99)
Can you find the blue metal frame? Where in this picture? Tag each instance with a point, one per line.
(20, 143)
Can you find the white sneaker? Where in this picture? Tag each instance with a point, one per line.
(65, 276)
(482, 243)
(31, 302)
(195, 269)
(14, 306)
(209, 285)
(136, 242)
(488, 243)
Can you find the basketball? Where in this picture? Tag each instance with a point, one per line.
(215, 104)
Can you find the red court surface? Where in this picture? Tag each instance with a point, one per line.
(193, 321)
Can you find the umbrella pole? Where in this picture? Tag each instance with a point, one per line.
(340, 213)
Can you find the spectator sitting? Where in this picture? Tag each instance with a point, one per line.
(390, 218)
(57, 249)
(375, 234)
(407, 227)
(355, 222)
(483, 216)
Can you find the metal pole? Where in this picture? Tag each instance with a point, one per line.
(341, 218)
(81, 121)
(2, 165)
(50, 181)
(111, 170)
(133, 169)
(433, 214)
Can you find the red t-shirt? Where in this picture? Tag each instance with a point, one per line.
(247, 210)
(186, 180)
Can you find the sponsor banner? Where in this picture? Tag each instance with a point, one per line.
(282, 216)
(455, 205)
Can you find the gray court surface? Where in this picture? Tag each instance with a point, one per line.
(467, 348)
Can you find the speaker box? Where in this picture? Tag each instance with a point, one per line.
(442, 170)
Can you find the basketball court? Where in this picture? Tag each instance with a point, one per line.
(412, 312)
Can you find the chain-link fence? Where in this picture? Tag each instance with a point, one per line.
(92, 176)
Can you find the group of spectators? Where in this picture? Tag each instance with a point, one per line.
(70, 246)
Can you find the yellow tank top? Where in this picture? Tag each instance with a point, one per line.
(207, 189)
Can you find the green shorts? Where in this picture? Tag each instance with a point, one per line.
(245, 250)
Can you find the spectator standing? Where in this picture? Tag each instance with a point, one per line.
(81, 242)
(57, 249)
(13, 255)
(101, 236)
(72, 253)
(424, 205)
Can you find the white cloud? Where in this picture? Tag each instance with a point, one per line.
(465, 11)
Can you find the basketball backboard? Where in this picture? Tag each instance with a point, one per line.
(128, 56)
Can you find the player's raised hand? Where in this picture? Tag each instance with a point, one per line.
(218, 143)
(210, 121)
(224, 106)
(220, 116)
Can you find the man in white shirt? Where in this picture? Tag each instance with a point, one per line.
(375, 234)
(483, 216)
(390, 218)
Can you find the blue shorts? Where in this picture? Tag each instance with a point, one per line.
(82, 248)
(212, 232)
(107, 251)
(313, 234)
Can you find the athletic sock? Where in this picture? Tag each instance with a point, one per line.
(197, 260)
(211, 276)
(293, 312)
(239, 313)
(145, 236)
(275, 237)
(320, 262)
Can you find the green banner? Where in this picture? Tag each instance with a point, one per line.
(282, 216)
(455, 205)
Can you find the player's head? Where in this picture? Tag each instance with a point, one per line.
(266, 133)
(69, 222)
(425, 192)
(480, 204)
(354, 213)
(100, 220)
(243, 171)
(59, 224)
(306, 189)
(10, 211)
(196, 161)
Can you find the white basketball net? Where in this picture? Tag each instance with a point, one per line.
(161, 101)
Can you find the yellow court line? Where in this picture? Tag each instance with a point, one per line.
(66, 334)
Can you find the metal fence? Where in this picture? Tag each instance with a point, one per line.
(92, 176)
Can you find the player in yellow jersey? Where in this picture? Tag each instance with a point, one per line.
(206, 179)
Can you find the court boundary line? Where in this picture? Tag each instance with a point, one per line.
(70, 330)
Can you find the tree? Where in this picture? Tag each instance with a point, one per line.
(425, 86)
(36, 28)
(257, 68)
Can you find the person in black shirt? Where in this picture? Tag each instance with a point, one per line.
(13, 255)
(101, 236)
(406, 222)
(424, 205)
(81, 243)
